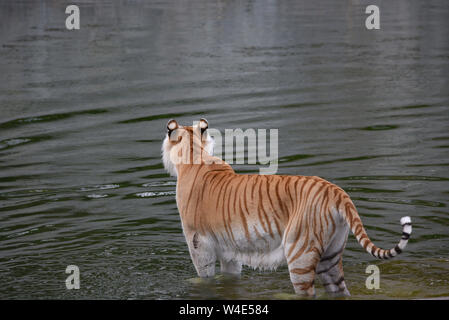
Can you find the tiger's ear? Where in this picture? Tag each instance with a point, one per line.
(171, 125)
(203, 125)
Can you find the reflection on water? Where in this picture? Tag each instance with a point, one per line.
(83, 115)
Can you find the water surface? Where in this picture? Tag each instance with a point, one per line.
(83, 114)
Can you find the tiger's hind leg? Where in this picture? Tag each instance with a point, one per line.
(303, 271)
(330, 267)
(333, 280)
(202, 254)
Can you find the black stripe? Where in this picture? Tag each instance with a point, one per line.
(397, 249)
(331, 256)
(195, 240)
(339, 281)
(407, 224)
(326, 270)
(405, 235)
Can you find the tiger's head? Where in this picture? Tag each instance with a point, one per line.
(184, 144)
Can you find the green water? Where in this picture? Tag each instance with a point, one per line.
(82, 117)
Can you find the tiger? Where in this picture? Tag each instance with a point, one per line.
(262, 221)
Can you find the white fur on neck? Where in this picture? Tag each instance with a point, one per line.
(168, 164)
(209, 145)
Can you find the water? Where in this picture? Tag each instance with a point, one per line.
(83, 114)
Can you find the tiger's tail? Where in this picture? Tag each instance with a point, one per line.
(349, 213)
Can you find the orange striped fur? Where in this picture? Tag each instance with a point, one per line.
(263, 221)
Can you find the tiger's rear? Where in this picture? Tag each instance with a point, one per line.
(263, 221)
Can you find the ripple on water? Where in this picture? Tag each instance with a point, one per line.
(81, 180)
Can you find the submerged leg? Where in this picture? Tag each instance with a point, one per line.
(330, 267)
(332, 277)
(302, 272)
(231, 267)
(202, 254)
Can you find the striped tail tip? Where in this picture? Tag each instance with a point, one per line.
(406, 223)
(406, 220)
(363, 239)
